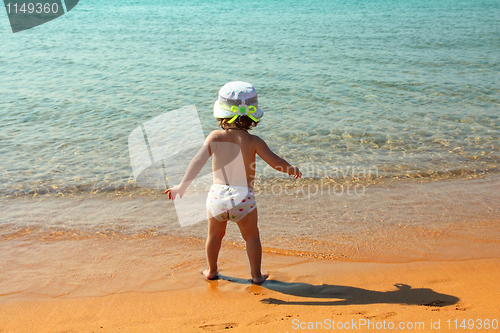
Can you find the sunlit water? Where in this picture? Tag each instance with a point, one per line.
(410, 87)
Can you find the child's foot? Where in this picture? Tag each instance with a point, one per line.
(210, 275)
(260, 279)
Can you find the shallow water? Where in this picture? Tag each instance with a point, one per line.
(394, 222)
(409, 87)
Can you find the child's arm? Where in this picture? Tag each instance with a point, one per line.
(192, 171)
(274, 160)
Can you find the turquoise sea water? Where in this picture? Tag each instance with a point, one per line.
(410, 87)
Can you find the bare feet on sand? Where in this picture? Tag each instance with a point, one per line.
(210, 275)
(260, 279)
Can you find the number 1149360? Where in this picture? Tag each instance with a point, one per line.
(472, 324)
(30, 8)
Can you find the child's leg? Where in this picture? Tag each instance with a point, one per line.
(216, 231)
(250, 233)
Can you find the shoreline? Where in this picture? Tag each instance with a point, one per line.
(394, 222)
(264, 183)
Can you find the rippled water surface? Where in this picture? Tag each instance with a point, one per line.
(411, 87)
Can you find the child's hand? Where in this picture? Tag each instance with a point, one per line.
(294, 172)
(172, 192)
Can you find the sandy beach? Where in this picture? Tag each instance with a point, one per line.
(300, 293)
(409, 254)
(389, 108)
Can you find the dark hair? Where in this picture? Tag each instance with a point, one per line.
(242, 122)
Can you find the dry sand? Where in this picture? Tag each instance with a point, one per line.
(298, 292)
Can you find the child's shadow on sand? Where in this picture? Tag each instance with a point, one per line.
(345, 295)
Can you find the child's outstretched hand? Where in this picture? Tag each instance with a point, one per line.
(294, 172)
(172, 192)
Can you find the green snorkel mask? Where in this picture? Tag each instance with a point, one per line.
(237, 99)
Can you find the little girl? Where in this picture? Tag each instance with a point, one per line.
(231, 197)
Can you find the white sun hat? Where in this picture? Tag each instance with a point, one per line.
(237, 99)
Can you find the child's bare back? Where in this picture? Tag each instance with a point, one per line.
(225, 145)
